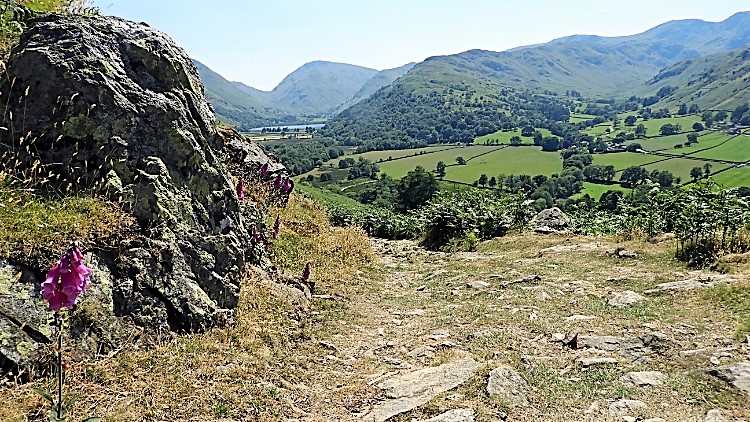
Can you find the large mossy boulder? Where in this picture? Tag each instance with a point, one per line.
(105, 105)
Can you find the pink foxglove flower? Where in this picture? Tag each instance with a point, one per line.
(288, 186)
(307, 272)
(276, 227)
(278, 182)
(66, 281)
(256, 236)
(264, 169)
(241, 190)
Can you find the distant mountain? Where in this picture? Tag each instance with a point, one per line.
(591, 65)
(717, 81)
(381, 79)
(234, 106)
(318, 87)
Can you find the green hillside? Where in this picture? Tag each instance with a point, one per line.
(717, 81)
(234, 106)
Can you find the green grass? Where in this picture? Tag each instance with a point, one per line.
(398, 168)
(734, 177)
(662, 143)
(579, 117)
(504, 137)
(707, 140)
(595, 190)
(737, 149)
(736, 299)
(510, 160)
(377, 156)
(653, 125)
(623, 160)
(598, 130)
(681, 167)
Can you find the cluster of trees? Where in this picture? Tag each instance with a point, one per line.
(398, 118)
(302, 156)
(636, 175)
(360, 168)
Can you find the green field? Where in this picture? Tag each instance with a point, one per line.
(504, 137)
(377, 156)
(662, 143)
(737, 149)
(623, 160)
(579, 117)
(653, 125)
(734, 177)
(680, 167)
(707, 140)
(398, 168)
(598, 130)
(595, 190)
(507, 161)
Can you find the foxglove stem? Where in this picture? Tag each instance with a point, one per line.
(59, 365)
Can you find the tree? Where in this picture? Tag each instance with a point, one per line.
(683, 109)
(696, 173)
(669, 129)
(482, 179)
(707, 169)
(416, 188)
(527, 131)
(515, 141)
(634, 175)
(441, 169)
(640, 130)
(461, 161)
(630, 120)
(692, 138)
(720, 116)
(325, 177)
(493, 182)
(633, 147)
(697, 126)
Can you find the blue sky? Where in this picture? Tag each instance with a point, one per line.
(258, 42)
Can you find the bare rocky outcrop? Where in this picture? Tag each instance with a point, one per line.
(114, 107)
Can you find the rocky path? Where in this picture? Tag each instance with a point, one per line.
(534, 328)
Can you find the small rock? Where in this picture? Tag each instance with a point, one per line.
(381, 332)
(551, 219)
(397, 362)
(623, 407)
(579, 291)
(576, 318)
(455, 415)
(528, 279)
(644, 378)
(737, 375)
(542, 297)
(328, 345)
(421, 288)
(629, 419)
(655, 420)
(558, 337)
(596, 361)
(416, 312)
(625, 299)
(693, 352)
(422, 351)
(478, 284)
(714, 415)
(439, 335)
(509, 385)
(714, 360)
(593, 408)
(624, 253)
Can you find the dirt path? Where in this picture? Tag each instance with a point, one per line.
(551, 312)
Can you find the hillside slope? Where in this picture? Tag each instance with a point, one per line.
(235, 107)
(717, 81)
(318, 87)
(380, 80)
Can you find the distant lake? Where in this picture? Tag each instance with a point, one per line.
(289, 127)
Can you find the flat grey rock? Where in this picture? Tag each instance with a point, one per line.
(737, 375)
(595, 361)
(410, 390)
(478, 284)
(455, 415)
(625, 299)
(714, 415)
(623, 407)
(690, 284)
(509, 385)
(644, 378)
